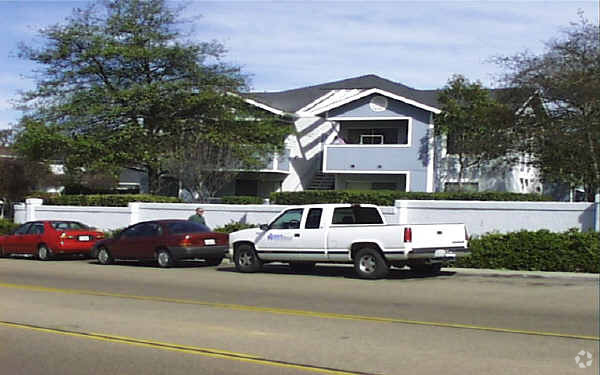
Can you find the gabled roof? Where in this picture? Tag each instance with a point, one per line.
(293, 100)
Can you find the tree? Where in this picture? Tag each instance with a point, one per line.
(560, 122)
(118, 84)
(205, 162)
(475, 125)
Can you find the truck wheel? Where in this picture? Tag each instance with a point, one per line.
(427, 269)
(245, 259)
(302, 267)
(369, 264)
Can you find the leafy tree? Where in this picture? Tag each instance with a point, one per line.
(475, 126)
(242, 140)
(119, 86)
(560, 121)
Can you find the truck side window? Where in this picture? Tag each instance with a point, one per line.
(367, 215)
(343, 215)
(356, 215)
(313, 220)
(290, 219)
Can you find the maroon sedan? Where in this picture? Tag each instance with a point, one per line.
(45, 239)
(164, 241)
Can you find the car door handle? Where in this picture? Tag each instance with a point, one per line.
(296, 234)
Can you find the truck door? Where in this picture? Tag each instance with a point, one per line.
(277, 243)
(311, 244)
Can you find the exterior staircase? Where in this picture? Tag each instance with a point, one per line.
(322, 181)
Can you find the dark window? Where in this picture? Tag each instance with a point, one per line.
(23, 228)
(356, 215)
(313, 220)
(64, 225)
(246, 187)
(36, 228)
(290, 219)
(179, 227)
(383, 186)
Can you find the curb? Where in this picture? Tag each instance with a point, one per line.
(525, 274)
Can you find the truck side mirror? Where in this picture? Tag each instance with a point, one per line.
(264, 227)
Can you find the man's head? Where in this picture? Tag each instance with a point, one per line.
(199, 211)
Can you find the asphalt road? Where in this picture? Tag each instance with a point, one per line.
(78, 317)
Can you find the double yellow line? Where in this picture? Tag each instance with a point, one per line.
(205, 352)
(305, 313)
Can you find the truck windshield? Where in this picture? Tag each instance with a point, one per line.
(356, 215)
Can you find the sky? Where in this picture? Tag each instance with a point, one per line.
(283, 44)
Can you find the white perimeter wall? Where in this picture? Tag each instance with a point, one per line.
(480, 217)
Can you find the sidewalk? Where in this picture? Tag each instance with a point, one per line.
(532, 274)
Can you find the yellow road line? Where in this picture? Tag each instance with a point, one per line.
(205, 352)
(306, 313)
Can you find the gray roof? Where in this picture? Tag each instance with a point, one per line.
(292, 100)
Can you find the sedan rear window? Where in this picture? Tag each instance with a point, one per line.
(64, 225)
(186, 227)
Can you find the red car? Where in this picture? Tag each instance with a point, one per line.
(164, 241)
(46, 239)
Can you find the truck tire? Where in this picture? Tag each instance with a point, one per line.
(369, 264)
(245, 259)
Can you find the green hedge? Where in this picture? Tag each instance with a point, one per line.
(233, 226)
(112, 200)
(7, 226)
(241, 199)
(571, 251)
(387, 197)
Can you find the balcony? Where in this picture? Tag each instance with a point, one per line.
(280, 163)
(356, 158)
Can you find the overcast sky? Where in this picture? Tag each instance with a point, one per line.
(290, 44)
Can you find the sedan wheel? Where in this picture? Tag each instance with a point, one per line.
(104, 256)
(164, 259)
(43, 253)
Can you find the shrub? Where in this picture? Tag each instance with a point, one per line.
(110, 200)
(571, 251)
(7, 226)
(387, 197)
(234, 226)
(240, 199)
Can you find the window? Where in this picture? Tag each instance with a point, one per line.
(62, 225)
(178, 227)
(23, 228)
(356, 215)
(371, 139)
(36, 228)
(383, 186)
(313, 220)
(290, 219)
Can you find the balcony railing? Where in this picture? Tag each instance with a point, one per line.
(371, 159)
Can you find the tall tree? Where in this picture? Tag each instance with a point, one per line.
(475, 126)
(560, 123)
(118, 82)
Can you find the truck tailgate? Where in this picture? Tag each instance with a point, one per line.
(442, 236)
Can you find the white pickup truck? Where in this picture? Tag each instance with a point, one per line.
(347, 233)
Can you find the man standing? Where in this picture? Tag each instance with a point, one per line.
(198, 218)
